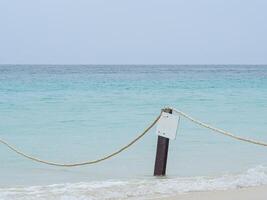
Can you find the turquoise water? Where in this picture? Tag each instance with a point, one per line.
(76, 113)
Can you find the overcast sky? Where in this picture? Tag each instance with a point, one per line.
(133, 32)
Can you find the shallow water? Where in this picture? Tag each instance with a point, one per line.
(74, 113)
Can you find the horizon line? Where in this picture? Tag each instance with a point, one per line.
(133, 64)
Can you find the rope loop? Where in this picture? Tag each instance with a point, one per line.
(13, 148)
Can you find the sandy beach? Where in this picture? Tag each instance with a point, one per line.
(252, 193)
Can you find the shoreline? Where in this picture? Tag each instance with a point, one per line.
(81, 190)
(250, 193)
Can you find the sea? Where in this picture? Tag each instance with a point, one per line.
(73, 113)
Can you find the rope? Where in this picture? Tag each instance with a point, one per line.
(217, 129)
(85, 162)
(180, 113)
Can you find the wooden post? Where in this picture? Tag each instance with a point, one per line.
(162, 153)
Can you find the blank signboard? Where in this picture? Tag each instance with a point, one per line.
(168, 125)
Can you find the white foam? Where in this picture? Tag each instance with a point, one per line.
(136, 189)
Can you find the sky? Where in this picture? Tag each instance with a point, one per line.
(133, 32)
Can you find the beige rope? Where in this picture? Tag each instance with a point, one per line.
(217, 129)
(86, 162)
(180, 113)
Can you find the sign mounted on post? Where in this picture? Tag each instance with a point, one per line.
(168, 125)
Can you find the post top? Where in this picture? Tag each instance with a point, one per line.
(167, 110)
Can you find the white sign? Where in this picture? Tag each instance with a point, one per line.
(168, 125)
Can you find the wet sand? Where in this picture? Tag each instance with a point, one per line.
(252, 193)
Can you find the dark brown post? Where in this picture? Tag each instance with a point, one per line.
(162, 153)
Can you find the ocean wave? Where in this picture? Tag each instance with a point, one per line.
(137, 188)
